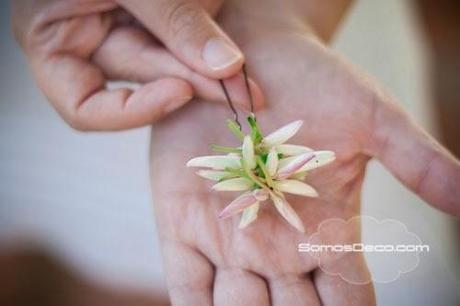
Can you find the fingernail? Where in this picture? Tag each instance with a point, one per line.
(175, 104)
(219, 54)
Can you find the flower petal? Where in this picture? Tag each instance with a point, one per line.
(235, 184)
(272, 162)
(296, 187)
(290, 149)
(299, 175)
(248, 152)
(217, 162)
(293, 165)
(282, 134)
(285, 161)
(213, 175)
(260, 194)
(288, 212)
(321, 158)
(249, 215)
(239, 204)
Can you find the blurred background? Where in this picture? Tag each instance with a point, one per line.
(76, 225)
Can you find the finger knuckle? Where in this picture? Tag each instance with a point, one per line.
(75, 122)
(182, 16)
(32, 26)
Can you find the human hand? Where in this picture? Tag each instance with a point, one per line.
(75, 47)
(208, 261)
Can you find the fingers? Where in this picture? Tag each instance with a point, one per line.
(187, 29)
(77, 91)
(292, 289)
(239, 287)
(416, 159)
(129, 53)
(335, 291)
(189, 275)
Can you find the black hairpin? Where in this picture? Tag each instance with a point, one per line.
(248, 89)
(229, 100)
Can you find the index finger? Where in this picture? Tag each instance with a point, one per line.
(77, 90)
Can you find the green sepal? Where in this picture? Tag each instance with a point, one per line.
(235, 129)
(264, 157)
(264, 169)
(256, 134)
(251, 175)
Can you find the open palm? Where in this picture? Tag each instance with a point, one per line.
(210, 261)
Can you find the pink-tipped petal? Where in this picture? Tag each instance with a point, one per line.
(296, 187)
(320, 159)
(282, 134)
(293, 165)
(291, 150)
(260, 194)
(239, 204)
(234, 184)
(217, 162)
(249, 215)
(288, 212)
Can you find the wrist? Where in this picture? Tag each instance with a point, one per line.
(306, 17)
(260, 30)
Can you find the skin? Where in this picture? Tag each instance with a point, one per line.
(207, 260)
(75, 47)
(212, 262)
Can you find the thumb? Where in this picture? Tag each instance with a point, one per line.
(416, 159)
(188, 31)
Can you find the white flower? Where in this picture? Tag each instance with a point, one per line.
(290, 149)
(214, 175)
(272, 162)
(218, 162)
(288, 212)
(282, 134)
(294, 164)
(320, 158)
(296, 187)
(248, 152)
(234, 184)
(264, 168)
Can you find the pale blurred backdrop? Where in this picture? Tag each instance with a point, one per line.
(86, 197)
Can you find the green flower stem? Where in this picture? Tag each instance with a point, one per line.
(235, 129)
(256, 134)
(262, 167)
(252, 176)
